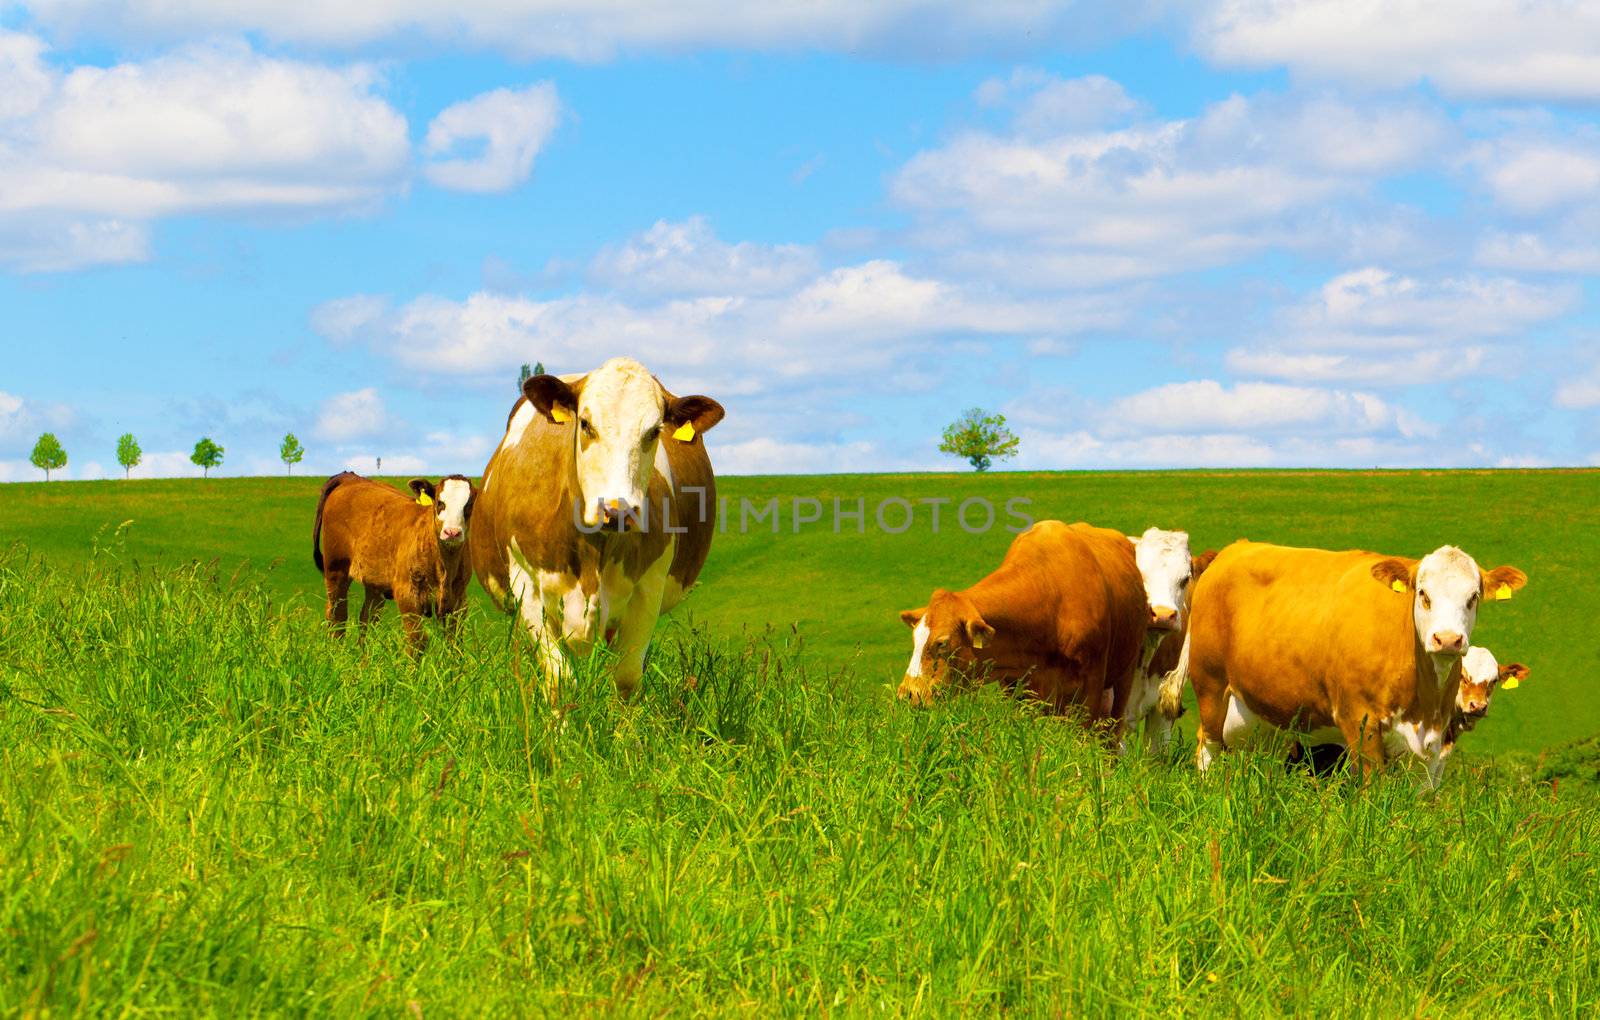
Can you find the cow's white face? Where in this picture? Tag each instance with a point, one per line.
(453, 505)
(1447, 588)
(619, 415)
(1480, 674)
(1164, 566)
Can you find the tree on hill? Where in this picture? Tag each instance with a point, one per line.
(980, 438)
(48, 455)
(206, 456)
(291, 452)
(128, 454)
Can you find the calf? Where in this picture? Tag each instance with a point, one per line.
(408, 550)
(1480, 674)
(1063, 617)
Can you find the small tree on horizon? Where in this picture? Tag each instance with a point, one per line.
(980, 438)
(128, 454)
(206, 456)
(48, 454)
(291, 452)
(526, 373)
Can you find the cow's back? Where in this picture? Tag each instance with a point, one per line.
(1085, 581)
(524, 500)
(364, 524)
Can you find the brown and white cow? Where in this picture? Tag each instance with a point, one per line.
(1481, 673)
(1350, 647)
(410, 550)
(1168, 572)
(597, 513)
(1063, 617)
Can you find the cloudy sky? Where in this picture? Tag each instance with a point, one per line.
(1157, 234)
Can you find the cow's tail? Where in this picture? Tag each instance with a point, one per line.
(1172, 683)
(316, 529)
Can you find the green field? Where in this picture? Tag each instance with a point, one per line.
(207, 807)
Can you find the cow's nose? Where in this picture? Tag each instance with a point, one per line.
(1164, 617)
(913, 692)
(450, 533)
(1446, 641)
(617, 512)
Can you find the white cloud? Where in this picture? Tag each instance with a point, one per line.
(1080, 207)
(688, 258)
(1370, 368)
(1582, 393)
(512, 124)
(1532, 252)
(89, 157)
(1205, 406)
(1531, 176)
(358, 414)
(1044, 104)
(21, 420)
(1527, 49)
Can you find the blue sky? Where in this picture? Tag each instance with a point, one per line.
(1163, 234)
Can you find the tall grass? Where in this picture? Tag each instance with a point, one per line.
(209, 807)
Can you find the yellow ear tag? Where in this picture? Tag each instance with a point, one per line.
(559, 416)
(1511, 683)
(423, 499)
(1399, 586)
(1502, 593)
(685, 433)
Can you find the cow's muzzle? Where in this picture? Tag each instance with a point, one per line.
(1163, 618)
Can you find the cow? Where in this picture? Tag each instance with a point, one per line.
(596, 514)
(1168, 572)
(409, 550)
(1480, 675)
(1352, 647)
(1063, 617)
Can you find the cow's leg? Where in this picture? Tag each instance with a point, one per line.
(452, 623)
(371, 602)
(543, 631)
(1363, 739)
(638, 623)
(411, 620)
(1157, 733)
(338, 584)
(1211, 695)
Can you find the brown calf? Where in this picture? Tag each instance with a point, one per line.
(411, 551)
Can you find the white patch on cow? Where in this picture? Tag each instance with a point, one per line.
(518, 425)
(486, 475)
(451, 502)
(1164, 567)
(638, 622)
(530, 595)
(919, 641)
(1479, 665)
(622, 405)
(1240, 724)
(664, 469)
(1449, 584)
(1205, 754)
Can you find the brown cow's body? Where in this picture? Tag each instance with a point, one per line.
(574, 588)
(1317, 643)
(369, 532)
(1065, 617)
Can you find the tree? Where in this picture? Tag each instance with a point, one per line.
(527, 373)
(980, 438)
(291, 452)
(48, 455)
(128, 454)
(206, 455)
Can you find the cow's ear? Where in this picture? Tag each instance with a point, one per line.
(1513, 671)
(912, 617)
(555, 398)
(979, 632)
(1500, 582)
(1198, 564)
(700, 414)
(422, 489)
(1392, 573)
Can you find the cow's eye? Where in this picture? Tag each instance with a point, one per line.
(1427, 603)
(1472, 600)
(652, 435)
(586, 426)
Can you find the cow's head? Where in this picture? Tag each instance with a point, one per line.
(619, 416)
(451, 501)
(1446, 587)
(1480, 674)
(946, 636)
(1166, 568)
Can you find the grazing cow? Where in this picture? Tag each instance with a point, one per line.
(1168, 573)
(597, 513)
(408, 550)
(1063, 616)
(1354, 647)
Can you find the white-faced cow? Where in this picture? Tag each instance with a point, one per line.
(1481, 673)
(1168, 572)
(597, 513)
(1063, 617)
(410, 550)
(1350, 647)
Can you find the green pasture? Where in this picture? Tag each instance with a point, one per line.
(842, 589)
(209, 808)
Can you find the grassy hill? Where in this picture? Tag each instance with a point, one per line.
(843, 590)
